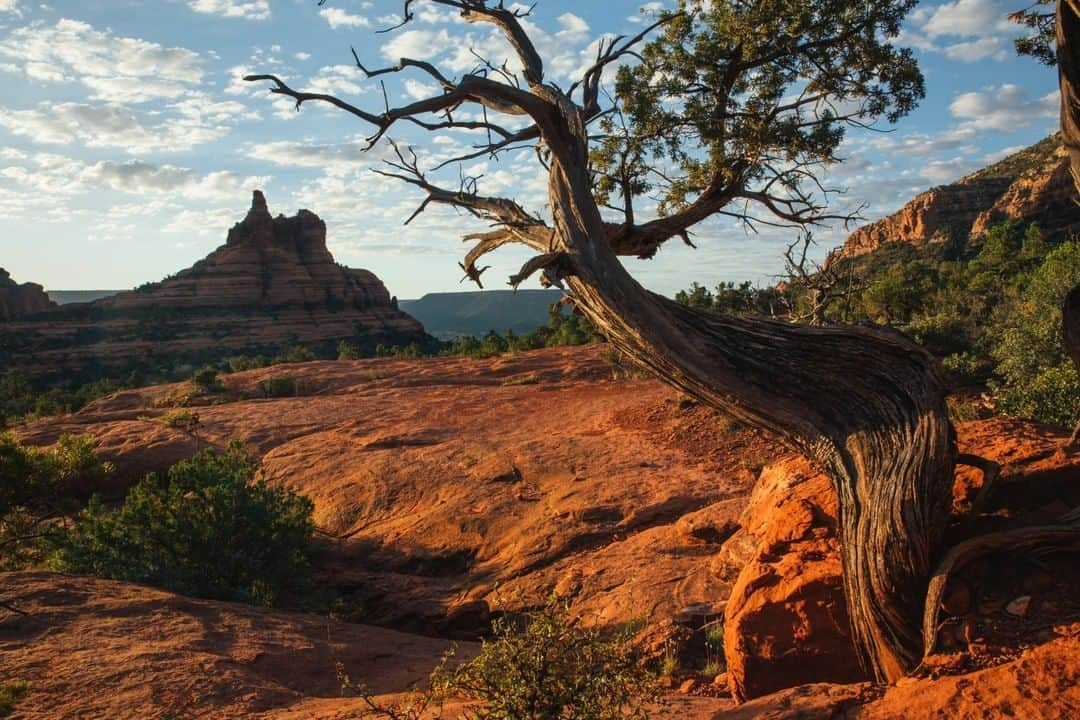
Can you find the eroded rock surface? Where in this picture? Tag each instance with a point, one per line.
(454, 481)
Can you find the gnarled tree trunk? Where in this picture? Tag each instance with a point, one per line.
(1068, 57)
(867, 404)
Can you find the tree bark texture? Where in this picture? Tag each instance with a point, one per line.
(1068, 56)
(866, 404)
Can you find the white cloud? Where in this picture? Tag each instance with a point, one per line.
(966, 17)
(336, 80)
(418, 90)
(944, 171)
(338, 18)
(983, 25)
(247, 9)
(116, 69)
(108, 126)
(9, 6)
(1005, 107)
(975, 50)
(60, 175)
(335, 159)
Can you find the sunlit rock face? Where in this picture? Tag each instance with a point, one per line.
(1032, 185)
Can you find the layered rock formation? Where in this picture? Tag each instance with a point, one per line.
(273, 283)
(1031, 185)
(18, 300)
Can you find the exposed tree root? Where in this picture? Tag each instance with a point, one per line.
(991, 472)
(1039, 540)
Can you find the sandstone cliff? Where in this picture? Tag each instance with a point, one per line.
(273, 283)
(1031, 185)
(17, 300)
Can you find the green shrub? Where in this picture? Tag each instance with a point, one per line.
(550, 668)
(294, 354)
(277, 386)
(347, 351)
(180, 420)
(205, 379)
(1051, 396)
(966, 366)
(1038, 380)
(240, 363)
(211, 531)
(10, 694)
(35, 487)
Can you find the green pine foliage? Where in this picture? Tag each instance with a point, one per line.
(37, 486)
(212, 530)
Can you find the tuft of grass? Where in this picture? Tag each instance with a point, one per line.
(526, 379)
(711, 670)
(10, 694)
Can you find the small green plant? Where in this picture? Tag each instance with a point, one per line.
(11, 693)
(294, 354)
(347, 351)
(35, 488)
(715, 662)
(526, 379)
(278, 386)
(211, 531)
(549, 668)
(240, 363)
(205, 380)
(180, 419)
(669, 663)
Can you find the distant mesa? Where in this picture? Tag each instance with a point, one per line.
(272, 283)
(19, 300)
(1032, 185)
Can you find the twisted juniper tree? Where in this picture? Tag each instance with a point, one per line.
(719, 109)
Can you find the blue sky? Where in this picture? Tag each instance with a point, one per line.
(129, 146)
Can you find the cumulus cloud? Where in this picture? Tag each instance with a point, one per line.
(61, 175)
(940, 172)
(336, 80)
(982, 24)
(1006, 107)
(246, 9)
(117, 69)
(975, 50)
(966, 17)
(9, 6)
(338, 18)
(113, 126)
(335, 158)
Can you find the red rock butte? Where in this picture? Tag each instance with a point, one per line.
(272, 283)
(18, 300)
